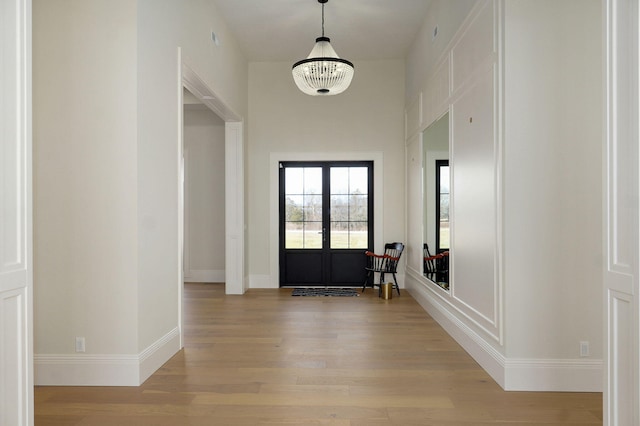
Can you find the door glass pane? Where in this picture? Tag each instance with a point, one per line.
(358, 180)
(349, 207)
(358, 235)
(293, 180)
(293, 235)
(443, 208)
(312, 208)
(339, 208)
(358, 207)
(339, 180)
(293, 208)
(339, 235)
(349, 235)
(313, 235)
(303, 207)
(444, 179)
(444, 224)
(312, 180)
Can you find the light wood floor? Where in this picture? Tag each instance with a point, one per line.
(267, 358)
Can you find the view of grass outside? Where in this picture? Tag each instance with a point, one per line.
(444, 234)
(297, 238)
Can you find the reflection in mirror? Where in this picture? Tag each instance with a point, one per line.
(436, 183)
(442, 205)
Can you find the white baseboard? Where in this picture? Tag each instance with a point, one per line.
(86, 370)
(261, 281)
(265, 281)
(549, 375)
(488, 357)
(204, 276)
(544, 375)
(105, 370)
(158, 353)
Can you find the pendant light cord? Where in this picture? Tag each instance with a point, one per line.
(322, 19)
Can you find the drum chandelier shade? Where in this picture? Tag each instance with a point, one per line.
(323, 72)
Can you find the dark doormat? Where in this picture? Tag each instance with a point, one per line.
(340, 292)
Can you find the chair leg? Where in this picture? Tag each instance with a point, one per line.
(397, 286)
(366, 280)
(381, 282)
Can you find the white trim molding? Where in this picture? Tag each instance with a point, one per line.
(553, 375)
(156, 354)
(621, 274)
(477, 346)
(204, 276)
(261, 281)
(16, 220)
(378, 202)
(234, 177)
(547, 375)
(105, 369)
(234, 208)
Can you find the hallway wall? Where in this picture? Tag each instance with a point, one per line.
(529, 291)
(204, 250)
(553, 181)
(107, 103)
(367, 118)
(85, 169)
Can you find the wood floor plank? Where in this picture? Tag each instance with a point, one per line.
(267, 358)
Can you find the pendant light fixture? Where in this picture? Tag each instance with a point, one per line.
(323, 72)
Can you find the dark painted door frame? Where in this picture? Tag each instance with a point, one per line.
(323, 266)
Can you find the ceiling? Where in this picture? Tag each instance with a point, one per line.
(285, 30)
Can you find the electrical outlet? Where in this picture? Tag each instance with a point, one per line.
(80, 344)
(584, 349)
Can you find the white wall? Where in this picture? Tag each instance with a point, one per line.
(426, 51)
(543, 282)
(85, 196)
(553, 178)
(107, 170)
(163, 26)
(204, 255)
(367, 118)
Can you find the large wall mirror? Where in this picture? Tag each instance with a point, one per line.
(436, 184)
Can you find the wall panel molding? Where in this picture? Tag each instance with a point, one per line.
(621, 211)
(16, 217)
(413, 117)
(467, 83)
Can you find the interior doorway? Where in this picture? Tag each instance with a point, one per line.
(204, 192)
(233, 183)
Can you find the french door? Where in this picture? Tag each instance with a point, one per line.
(326, 222)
